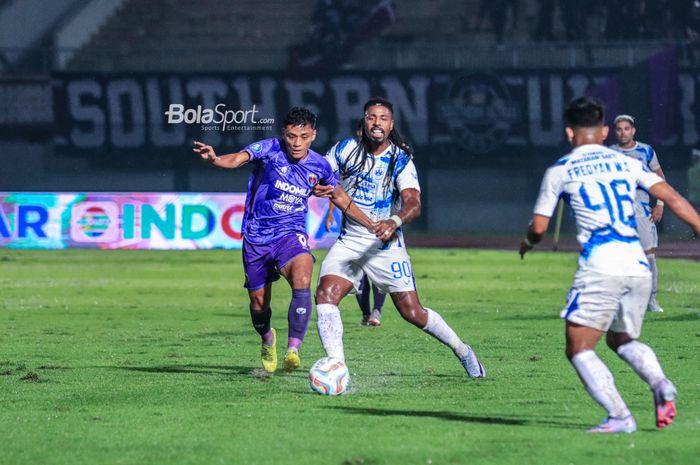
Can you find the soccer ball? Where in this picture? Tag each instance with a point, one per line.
(329, 376)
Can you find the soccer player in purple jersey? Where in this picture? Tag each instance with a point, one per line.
(274, 225)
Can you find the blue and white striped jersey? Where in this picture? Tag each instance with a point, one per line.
(599, 185)
(645, 154)
(376, 198)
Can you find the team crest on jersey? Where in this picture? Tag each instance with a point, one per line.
(378, 173)
(312, 179)
(284, 169)
(256, 147)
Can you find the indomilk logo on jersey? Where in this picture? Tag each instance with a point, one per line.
(290, 188)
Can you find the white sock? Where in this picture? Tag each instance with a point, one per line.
(599, 383)
(643, 360)
(437, 328)
(330, 330)
(654, 276)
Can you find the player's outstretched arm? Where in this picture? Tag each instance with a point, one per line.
(342, 200)
(538, 228)
(678, 204)
(231, 160)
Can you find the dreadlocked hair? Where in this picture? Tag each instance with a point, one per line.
(357, 160)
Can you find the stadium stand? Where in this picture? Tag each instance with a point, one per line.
(195, 34)
(207, 34)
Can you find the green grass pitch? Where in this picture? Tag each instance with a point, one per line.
(132, 357)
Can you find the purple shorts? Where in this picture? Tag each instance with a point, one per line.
(261, 263)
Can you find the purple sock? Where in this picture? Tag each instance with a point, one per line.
(293, 343)
(379, 297)
(363, 296)
(268, 338)
(299, 314)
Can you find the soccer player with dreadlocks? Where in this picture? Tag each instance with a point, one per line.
(377, 170)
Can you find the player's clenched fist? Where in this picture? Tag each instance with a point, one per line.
(205, 151)
(323, 190)
(385, 229)
(374, 228)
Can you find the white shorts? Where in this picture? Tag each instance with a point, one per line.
(390, 270)
(607, 302)
(647, 232)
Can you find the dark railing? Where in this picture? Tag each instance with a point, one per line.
(42, 60)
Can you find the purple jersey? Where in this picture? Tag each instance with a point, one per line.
(279, 190)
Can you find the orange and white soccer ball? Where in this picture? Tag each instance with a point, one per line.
(329, 376)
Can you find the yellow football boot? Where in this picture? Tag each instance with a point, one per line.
(292, 361)
(268, 354)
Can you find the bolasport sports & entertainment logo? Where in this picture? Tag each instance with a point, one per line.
(219, 118)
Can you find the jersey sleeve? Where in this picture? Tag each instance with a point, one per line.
(332, 157)
(646, 178)
(258, 150)
(550, 190)
(329, 176)
(408, 177)
(654, 161)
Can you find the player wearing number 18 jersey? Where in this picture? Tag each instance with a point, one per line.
(611, 288)
(377, 171)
